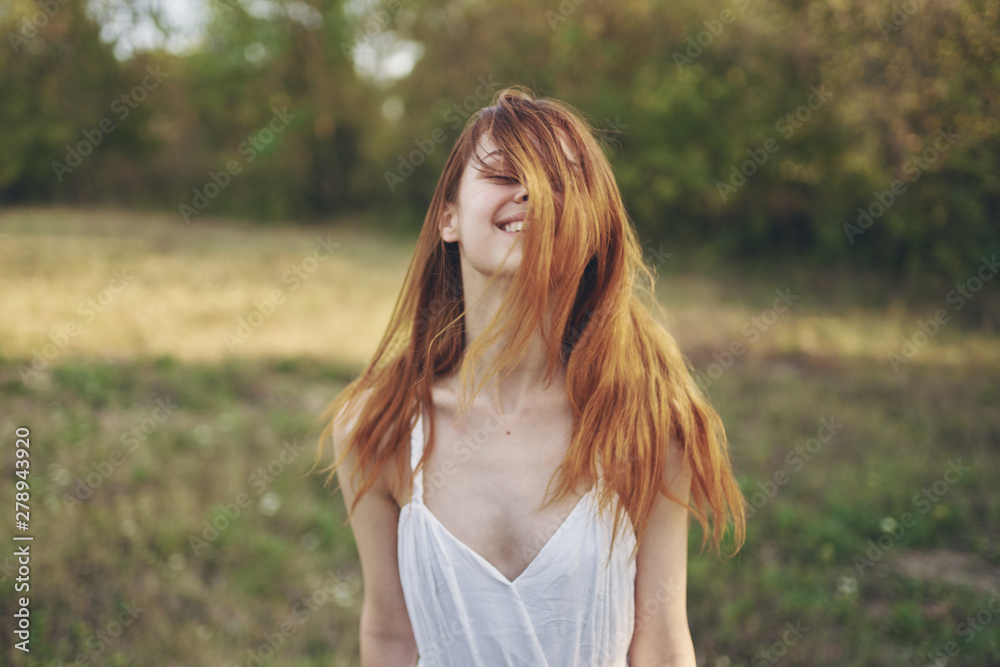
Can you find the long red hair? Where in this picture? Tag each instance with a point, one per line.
(583, 284)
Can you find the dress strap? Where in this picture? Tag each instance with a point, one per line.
(416, 451)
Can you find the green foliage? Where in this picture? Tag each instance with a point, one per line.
(54, 87)
(710, 114)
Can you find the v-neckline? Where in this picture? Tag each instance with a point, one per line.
(493, 569)
(482, 559)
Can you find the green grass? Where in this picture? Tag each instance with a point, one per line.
(158, 483)
(107, 533)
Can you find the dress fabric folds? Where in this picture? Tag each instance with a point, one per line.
(569, 608)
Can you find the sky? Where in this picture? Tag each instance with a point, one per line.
(186, 20)
(382, 57)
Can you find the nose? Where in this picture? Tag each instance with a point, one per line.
(521, 195)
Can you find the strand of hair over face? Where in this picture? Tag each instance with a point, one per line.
(583, 284)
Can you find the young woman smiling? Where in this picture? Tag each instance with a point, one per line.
(521, 456)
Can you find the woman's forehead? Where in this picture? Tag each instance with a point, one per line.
(486, 152)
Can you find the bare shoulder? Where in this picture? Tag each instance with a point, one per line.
(374, 524)
(342, 432)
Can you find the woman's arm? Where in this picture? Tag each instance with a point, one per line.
(662, 637)
(385, 632)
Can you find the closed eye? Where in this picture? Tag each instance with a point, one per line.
(506, 180)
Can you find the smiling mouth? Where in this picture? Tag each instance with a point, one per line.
(512, 227)
(513, 224)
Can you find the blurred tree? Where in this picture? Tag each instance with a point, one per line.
(754, 129)
(761, 128)
(65, 136)
(256, 73)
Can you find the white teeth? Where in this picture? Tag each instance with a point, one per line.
(513, 226)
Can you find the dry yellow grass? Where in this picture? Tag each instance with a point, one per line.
(188, 287)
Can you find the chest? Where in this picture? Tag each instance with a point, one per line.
(485, 481)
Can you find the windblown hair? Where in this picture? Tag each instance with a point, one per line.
(582, 283)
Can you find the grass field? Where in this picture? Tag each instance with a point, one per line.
(171, 375)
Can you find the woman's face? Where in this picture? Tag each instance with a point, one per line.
(489, 198)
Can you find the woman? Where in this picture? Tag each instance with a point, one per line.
(520, 356)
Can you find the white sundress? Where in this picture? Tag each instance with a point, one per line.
(567, 609)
